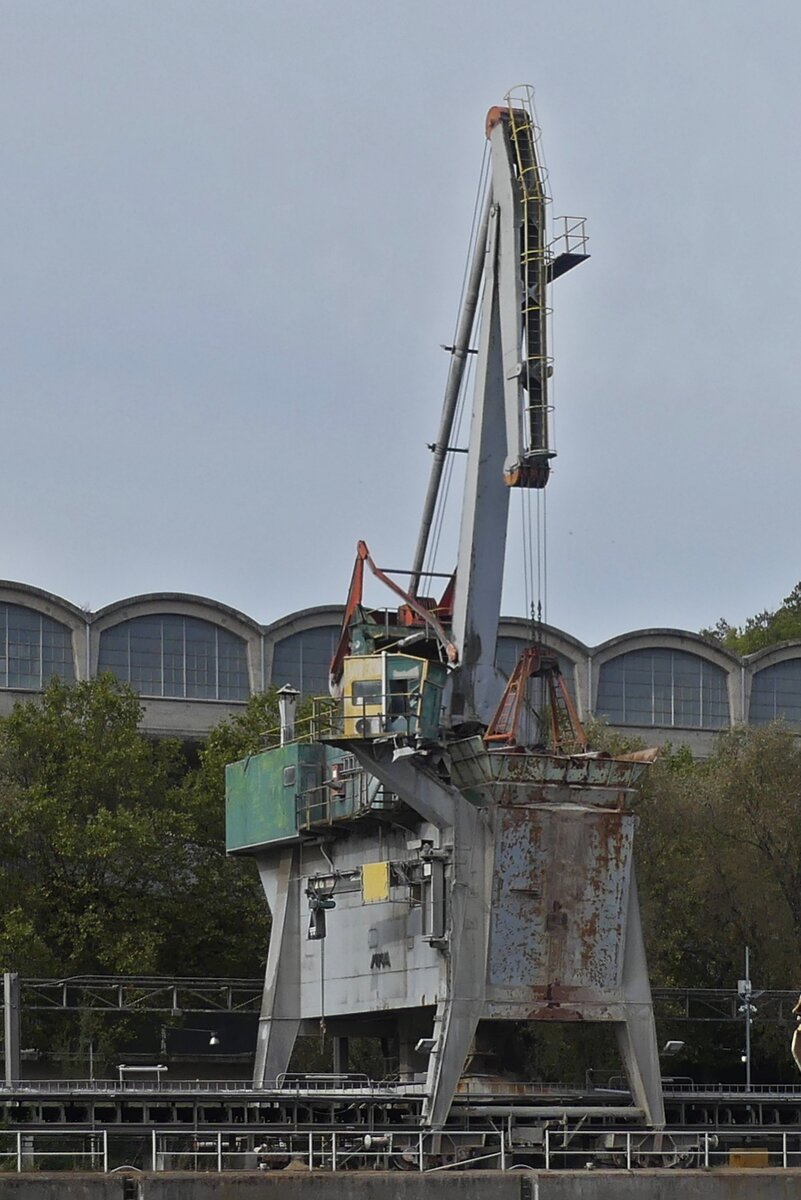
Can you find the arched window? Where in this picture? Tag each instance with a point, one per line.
(175, 656)
(303, 659)
(664, 688)
(776, 694)
(508, 650)
(33, 648)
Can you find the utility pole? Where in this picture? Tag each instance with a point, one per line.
(11, 1027)
(748, 1010)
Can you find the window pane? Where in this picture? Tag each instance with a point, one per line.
(776, 694)
(303, 659)
(175, 656)
(663, 688)
(33, 648)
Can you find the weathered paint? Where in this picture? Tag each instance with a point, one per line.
(558, 907)
(274, 797)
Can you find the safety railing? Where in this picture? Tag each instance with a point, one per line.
(329, 1150)
(300, 1085)
(629, 1149)
(161, 1087)
(570, 236)
(62, 1149)
(334, 1149)
(300, 1082)
(676, 1087)
(320, 722)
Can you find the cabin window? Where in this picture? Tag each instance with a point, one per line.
(366, 692)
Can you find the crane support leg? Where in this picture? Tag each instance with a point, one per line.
(637, 1038)
(279, 1021)
(457, 1016)
(466, 829)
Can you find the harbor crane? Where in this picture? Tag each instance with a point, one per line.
(442, 856)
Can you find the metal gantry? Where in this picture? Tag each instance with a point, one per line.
(174, 995)
(141, 993)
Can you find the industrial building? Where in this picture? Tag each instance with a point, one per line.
(195, 661)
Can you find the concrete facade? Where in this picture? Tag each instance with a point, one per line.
(195, 661)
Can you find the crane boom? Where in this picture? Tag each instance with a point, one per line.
(509, 442)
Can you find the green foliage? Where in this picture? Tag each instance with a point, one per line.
(719, 865)
(601, 737)
(765, 629)
(113, 851)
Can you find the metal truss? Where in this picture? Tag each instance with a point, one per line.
(722, 1004)
(174, 996)
(141, 993)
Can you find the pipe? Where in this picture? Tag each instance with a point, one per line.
(453, 386)
(550, 1110)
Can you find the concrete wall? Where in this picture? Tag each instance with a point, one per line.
(350, 1185)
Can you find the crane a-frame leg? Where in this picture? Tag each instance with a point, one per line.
(639, 1048)
(279, 1020)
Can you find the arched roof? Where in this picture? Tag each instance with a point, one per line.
(668, 639)
(557, 639)
(320, 616)
(770, 655)
(181, 603)
(48, 603)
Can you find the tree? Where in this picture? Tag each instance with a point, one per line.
(113, 861)
(765, 629)
(719, 863)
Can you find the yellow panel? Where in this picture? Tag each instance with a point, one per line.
(756, 1157)
(375, 882)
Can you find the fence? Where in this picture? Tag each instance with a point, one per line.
(61, 1149)
(571, 1149)
(331, 1150)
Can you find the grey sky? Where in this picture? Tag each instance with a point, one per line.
(233, 238)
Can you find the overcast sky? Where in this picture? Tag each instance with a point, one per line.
(233, 236)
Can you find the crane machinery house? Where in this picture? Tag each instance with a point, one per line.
(440, 853)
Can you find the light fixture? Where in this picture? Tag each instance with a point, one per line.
(672, 1047)
(214, 1040)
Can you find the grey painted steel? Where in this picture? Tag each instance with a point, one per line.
(508, 296)
(541, 921)
(280, 1011)
(476, 686)
(11, 1027)
(461, 345)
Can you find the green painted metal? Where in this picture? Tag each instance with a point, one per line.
(263, 794)
(282, 793)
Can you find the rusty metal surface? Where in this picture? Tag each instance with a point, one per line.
(561, 880)
(472, 765)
